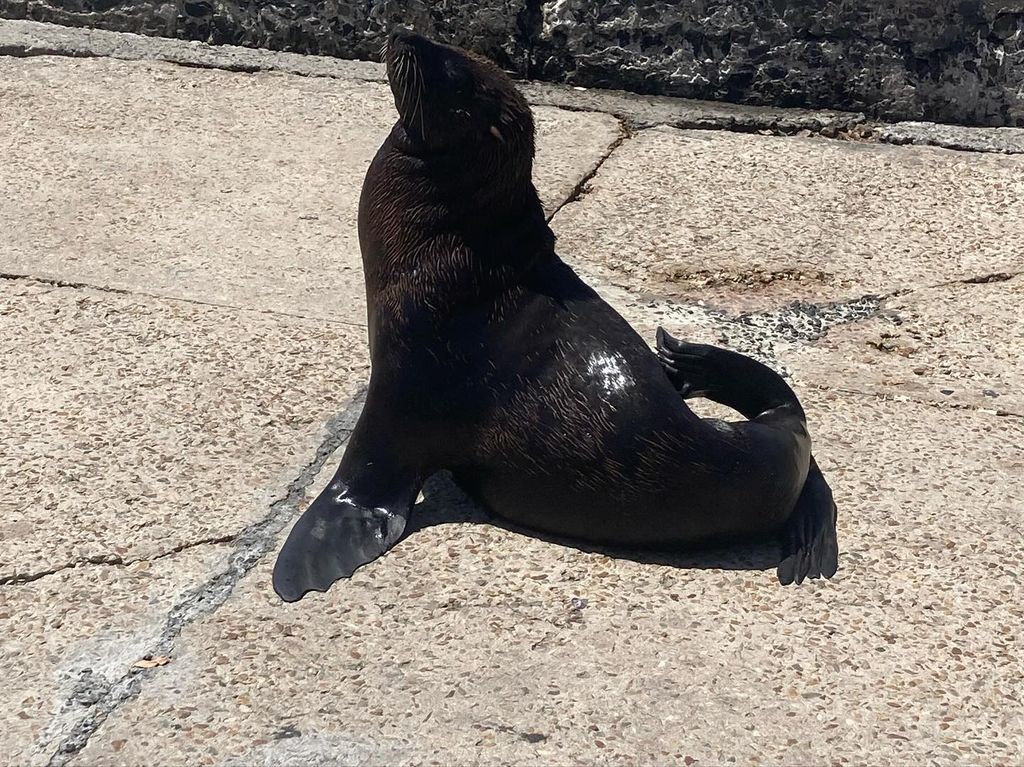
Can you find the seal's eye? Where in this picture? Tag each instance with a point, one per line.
(462, 114)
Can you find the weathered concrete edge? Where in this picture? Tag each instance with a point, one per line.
(640, 111)
(34, 38)
(960, 138)
(250, 546)
(25, 38)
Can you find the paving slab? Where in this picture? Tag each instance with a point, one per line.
(224, 187)
(473, 644)
(958, 344)
(746, 222)
(68, 637)
(130, 427)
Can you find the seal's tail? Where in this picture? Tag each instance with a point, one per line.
(809, 545)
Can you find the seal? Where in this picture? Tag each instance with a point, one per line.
(492, 359)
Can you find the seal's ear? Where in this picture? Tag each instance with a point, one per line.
(335, 536)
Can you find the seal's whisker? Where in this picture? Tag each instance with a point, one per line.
(410, 91)
(421, 91)
(413, 92)
(403, 79)
(414, 87)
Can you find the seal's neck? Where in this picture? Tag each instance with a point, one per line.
(472, 183)
(471, 205)
(437, 239)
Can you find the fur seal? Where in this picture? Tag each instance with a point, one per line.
(492, 359)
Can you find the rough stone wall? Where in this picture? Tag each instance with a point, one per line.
(944, 60)
(956, 61)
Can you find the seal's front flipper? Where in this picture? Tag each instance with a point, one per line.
(332, 538)
(809, 545)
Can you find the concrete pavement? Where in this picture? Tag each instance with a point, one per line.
(181, 324)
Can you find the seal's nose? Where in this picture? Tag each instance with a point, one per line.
(404, 37)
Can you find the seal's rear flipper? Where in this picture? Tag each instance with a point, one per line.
(331, 540)
(809, 545)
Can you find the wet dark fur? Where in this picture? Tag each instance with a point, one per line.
(491, 358)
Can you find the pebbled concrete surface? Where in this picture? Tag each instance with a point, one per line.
(133, 422)
(202, 184)
(464, 644)
(958, 344)
(744, 222)
(132, 426)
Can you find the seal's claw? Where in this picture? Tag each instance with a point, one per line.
(333, 538)
(685, 364)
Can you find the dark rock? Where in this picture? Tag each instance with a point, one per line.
(941, 60)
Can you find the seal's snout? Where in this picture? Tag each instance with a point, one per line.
(404, 37)
(404, 42)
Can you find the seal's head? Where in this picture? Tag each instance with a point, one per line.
(453, 101)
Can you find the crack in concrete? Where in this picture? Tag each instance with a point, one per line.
(59, 283)
(641, 112)
(251, 545)
(580, 190)
(701, 279)
(110, 560)
(984, 279)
